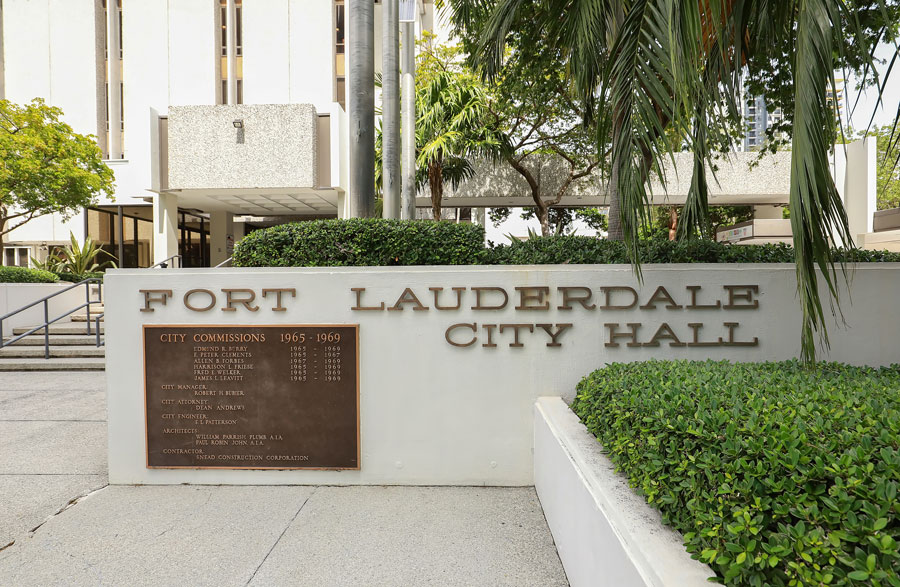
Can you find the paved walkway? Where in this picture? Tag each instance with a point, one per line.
(67, 527)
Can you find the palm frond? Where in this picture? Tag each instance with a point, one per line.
(817, 212)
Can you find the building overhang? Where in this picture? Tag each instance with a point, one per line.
(262, 201)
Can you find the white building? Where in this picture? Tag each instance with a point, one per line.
(184, 75)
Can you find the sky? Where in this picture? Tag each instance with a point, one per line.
(868, 101)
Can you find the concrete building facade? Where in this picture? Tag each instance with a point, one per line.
(227, 115)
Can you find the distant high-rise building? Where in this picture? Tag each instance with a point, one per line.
(757, 119)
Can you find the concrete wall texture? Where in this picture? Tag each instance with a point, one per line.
(275, 148)
(446, 394)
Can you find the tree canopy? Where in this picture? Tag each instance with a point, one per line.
(650, 70)
(45, 166)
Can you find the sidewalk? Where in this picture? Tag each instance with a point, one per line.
(53, 452)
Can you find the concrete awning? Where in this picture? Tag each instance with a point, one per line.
(261, 201)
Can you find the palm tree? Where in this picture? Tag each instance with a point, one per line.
(451, 132)
(651, 70)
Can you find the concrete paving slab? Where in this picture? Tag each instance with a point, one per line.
(156, 536)
(29, 499)
(441, 536)
(52, 404)
(52, 381)
(46, 447)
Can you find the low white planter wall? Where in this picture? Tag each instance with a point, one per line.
(15, 295)
(605, 533)
(452, 359)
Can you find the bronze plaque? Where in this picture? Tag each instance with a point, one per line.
(252, 397)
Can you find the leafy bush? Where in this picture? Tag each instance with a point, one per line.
(25, 275)
(586, 249)
(75, 278)
(775, 474)
(360, 242)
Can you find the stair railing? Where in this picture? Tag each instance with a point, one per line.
(47, 321)
(165, 262)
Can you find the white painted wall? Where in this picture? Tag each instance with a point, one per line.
(145, 43)
(433, 413)
(605, 533)
(16, 295)
(193, 52)
(311, 58)
(73, 65)
(266, 42)
(26, 50)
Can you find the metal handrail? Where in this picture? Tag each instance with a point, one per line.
(223, 263)
(165, 262)
(47, 321)
(97, 329)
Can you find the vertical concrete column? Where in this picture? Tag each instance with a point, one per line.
(861, 187)
(165, 226)
(114, 79)
(390, 109)
(361, 102)
(408, 82)
(231, 49)
(221, 236)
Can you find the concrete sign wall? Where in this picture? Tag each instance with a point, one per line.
(451, 360)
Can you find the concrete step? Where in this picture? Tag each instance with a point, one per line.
(93, 364)
(83, 317)
(58, 339)
(64, 328)
(57, 352)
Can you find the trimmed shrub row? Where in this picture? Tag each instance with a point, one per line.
(75, 278)
(364, 242)
(586, 249)
(361, 242)
(26, 275)
(775, 474)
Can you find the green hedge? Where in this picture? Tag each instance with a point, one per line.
(25, 275)
(775, 474)
(360, 242)
(586, 249)
(75, 278)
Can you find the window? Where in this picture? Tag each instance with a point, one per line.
(340, 94)
(223, 51)
(16, 256)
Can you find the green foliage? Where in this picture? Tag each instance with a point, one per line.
(559, 220)
(453, 128)
(659, 75)
(775, 474)
(888, 172)
(588, 250)
(361, 242)
(26, 275)
(75, 259)
(75, 278)
(378, 242)
(45, 166)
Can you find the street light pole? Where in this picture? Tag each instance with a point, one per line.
(390, 107)
(361, 87)
(408, 83)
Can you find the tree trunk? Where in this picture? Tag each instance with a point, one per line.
(2, 226)
(543, 214)
(436, 183)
